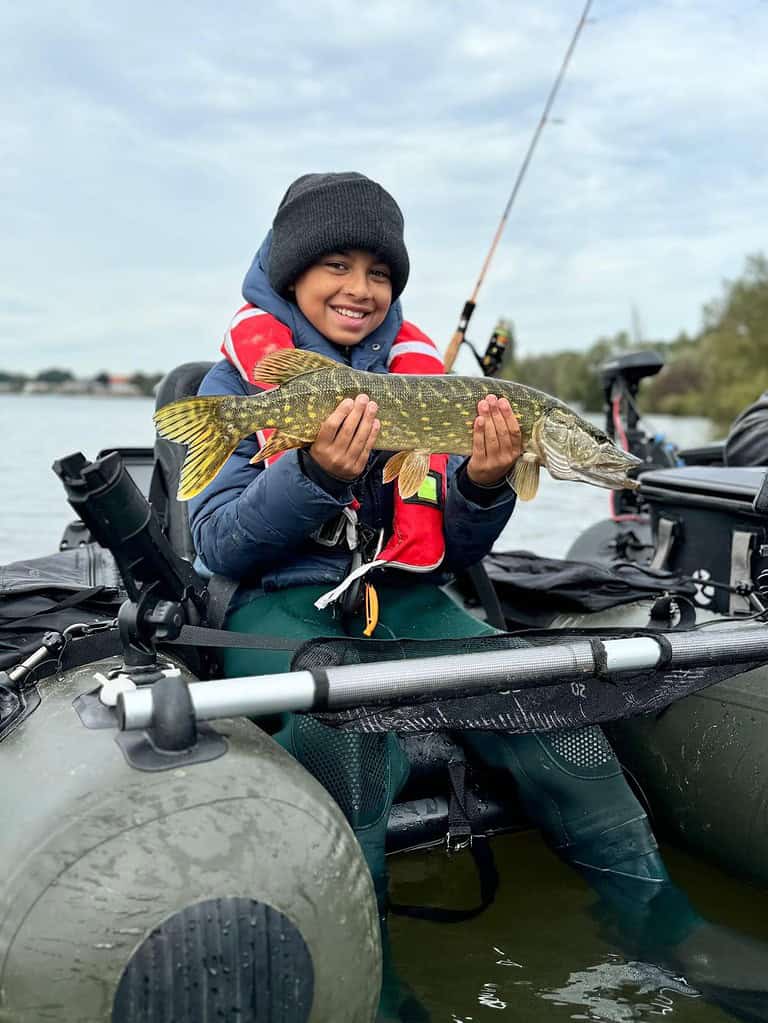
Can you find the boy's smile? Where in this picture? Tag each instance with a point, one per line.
(345, 295)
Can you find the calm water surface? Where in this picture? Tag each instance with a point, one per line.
(538, 953)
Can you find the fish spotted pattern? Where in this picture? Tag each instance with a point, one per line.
(419, 416)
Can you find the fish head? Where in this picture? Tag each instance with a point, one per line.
(574, 449)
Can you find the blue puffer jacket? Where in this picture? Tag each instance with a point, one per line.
(255, 524)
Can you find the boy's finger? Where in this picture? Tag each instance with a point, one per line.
(491, 434)
(478, 439)
(370, 441)
(330, 426)
(362, 434)
(351, 422)
(509, 416)
(502, 421)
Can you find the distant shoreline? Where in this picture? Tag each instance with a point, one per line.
(76, 394)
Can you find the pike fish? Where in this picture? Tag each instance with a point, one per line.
(419, 416)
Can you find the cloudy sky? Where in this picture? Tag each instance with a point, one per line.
(146, 145)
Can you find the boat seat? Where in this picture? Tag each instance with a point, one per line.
(181, 382)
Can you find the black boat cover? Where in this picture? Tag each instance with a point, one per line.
(76, 586)
(532, 589)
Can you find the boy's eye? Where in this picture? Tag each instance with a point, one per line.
(336, 264)
(382, 273)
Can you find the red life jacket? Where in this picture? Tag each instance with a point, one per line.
(417, 543)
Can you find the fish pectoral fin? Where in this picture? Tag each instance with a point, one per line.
(202, 424)
(283, 365)
(409, 468)
(526, 476)
(412, 473)
(394, 465)
(278, 442)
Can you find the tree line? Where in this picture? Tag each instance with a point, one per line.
(714, 373)
(144, 383)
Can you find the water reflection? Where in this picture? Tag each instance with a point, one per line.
(599, 988)
(547, 950)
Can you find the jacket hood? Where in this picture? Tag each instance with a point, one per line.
(370, 354)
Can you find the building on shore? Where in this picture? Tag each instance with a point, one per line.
(113, 386)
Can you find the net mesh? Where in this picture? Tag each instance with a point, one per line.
(352, 767)
(582, 747)
(535, 706)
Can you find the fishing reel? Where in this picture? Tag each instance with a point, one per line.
(500, 348)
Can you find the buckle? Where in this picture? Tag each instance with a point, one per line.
(455, 843)
(329, 534)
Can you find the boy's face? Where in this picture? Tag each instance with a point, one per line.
(345, 295)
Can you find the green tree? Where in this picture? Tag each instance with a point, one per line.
(734, 343)
(716, 373)
(146, 382)
(54, 376)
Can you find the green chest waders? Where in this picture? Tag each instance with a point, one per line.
(570, 782)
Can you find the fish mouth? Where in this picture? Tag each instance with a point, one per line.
(608, 468)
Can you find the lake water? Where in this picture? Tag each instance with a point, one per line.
(538, 952)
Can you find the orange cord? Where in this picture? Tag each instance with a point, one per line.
(371, 609)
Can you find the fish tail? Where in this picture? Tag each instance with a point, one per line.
(210, 437)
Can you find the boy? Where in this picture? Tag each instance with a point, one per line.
(327, 279)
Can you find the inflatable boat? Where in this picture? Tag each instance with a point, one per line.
(167, 860)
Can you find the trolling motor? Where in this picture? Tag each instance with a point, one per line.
(621, 379)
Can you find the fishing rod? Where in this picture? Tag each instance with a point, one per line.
(459, 336)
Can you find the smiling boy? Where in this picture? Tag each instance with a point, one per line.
(327, 279)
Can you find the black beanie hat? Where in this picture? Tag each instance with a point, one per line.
(334, 213)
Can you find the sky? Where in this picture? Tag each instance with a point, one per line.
(145, 147)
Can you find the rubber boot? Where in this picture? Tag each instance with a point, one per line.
(573, 788)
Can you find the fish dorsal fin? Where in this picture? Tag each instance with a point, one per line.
(283, 365)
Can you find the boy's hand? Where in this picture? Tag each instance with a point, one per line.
(496, 442)
(346, 438)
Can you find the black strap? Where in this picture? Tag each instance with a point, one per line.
(322, 688)
(220, 592)
(663, 609)
(459, 812)
(488, 596)
(198, 635)
(462, 810)
(600, 657)
(665, 657)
